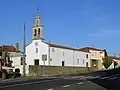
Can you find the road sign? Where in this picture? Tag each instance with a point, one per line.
(44, 57)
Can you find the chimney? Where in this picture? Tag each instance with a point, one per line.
(17, 47)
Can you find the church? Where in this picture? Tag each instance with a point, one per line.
(39, 52)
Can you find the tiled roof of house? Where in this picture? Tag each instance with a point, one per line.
(64, 47)
(113, 57)
(90, 48)
(9, 48)
(60, 46)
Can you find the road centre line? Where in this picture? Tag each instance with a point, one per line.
(80, 83)
(104, 77)
(66, 86)
(113, 78)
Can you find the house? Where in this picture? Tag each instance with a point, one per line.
(12, 56)
(96, 56)
(116, 59)
(39, 52)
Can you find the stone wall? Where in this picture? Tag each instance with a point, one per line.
(55, 70)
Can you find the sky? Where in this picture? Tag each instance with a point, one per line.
(73, 23)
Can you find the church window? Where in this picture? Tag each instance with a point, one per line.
(50, 59)
(53, 50)
(37, 22)
(86, 55)
(39, 31)
(35, 32)
(36, 50)
(63, 54)
(83, 61)
(36, 44)
(77, 60)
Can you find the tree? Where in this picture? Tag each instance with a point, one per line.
(115, 63)
(107, 61)
(105, 52)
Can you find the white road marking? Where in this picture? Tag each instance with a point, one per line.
(50, 89)
(88, 76)
(92, 77)
(89, 81)
(80, 83)
(95, 77)
(117, 74)
(104, 77)
(66, 86)
(113, 78)
(73, 77)
(27, 83)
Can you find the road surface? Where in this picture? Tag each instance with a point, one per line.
(106, 80)
(62, 83)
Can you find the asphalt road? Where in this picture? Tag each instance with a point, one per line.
(105, 80)
(111, 82)
(62, 83)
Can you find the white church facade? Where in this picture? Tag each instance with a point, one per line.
(56, 55)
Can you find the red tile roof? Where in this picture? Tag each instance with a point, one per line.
(90, 48)
(113, 57)
(64, 47)
(60, 46)
(9, 48)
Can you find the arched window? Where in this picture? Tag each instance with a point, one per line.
(37, 22)
(35, 32)
(38, 30)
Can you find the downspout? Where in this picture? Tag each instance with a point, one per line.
(73, 57)
(49, 53)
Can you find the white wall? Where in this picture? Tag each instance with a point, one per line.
(16, 61)
(80, 59)
(96, 54)
(31, 52)
(17, 64)
(16, 58)
(69, 56)
(60, 55)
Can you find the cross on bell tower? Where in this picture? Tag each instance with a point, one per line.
(37, 28)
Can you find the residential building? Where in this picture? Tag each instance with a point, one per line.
(96, 56)
(116, 59)
(11, 56)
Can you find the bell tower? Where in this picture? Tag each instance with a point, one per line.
(37, 28)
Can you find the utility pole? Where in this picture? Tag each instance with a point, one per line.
(24, 54)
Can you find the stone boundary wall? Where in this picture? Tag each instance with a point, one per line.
(35, 70)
